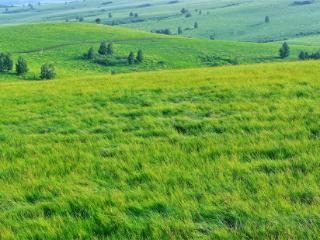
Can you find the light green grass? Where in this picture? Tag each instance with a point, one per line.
(232, 20)
(64, 45)
(228, 152)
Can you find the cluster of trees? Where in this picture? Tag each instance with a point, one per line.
(6, 65)
(195, 26)
(165, 31)
(185, 12)
(306, 56)
(132, 14)
(106, 55)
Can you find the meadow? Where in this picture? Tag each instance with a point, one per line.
(41, 44)
(224, 19)
(214, 153)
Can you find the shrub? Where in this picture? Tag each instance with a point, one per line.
(47, 71)
(98, 21)
(21, 66)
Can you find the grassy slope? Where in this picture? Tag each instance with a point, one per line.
(224, 152)
(66, 48)
(227, 19)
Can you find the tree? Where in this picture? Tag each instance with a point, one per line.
(188, 15)
(184, 11)
(103, 48)
(8, 62)
(98, 21)
(110, 49)
(180, 30)
(284, 51)
(136, 15)
(302, 55)
(196, 25)
(90, 54)
(131, 14)
(110, 15)
(21, 66)
(2, 67)
(131, 58)
(81, 19)
(47, 71)
(140, 56)
(267, 19)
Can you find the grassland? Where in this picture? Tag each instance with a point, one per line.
(64, 45)
(228, 152)
(227, 20)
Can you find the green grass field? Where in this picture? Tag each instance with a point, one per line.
(41, 44)
(205, 139)
(229, 152)
(226, 19)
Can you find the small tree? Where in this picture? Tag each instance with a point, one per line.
(302, 55)
(284, 51)
(131, 58)
(131, 14)
(90, 54)
(140, 56)
(267, 19)
(103, 48)
(81, 19)
(196, 25)
(136, 15)
(47, 71)
(21, 66)
(110, 49)
(8, 62)
(188, 15)
(110, 15)
(180, 30)
(98, 21)
(2, 67)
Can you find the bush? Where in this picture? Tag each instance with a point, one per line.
(47, 71)
(21, 66)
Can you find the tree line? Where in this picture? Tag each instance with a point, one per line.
(106, 55)
(47, 71)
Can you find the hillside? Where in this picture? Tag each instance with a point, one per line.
(65, 44)
(227, 152)
(224, 19)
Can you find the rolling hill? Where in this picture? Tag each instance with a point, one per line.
(224, 19)
(65, 44)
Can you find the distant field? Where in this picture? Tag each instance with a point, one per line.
(65, 44)
(228, 152)
(224, 19)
